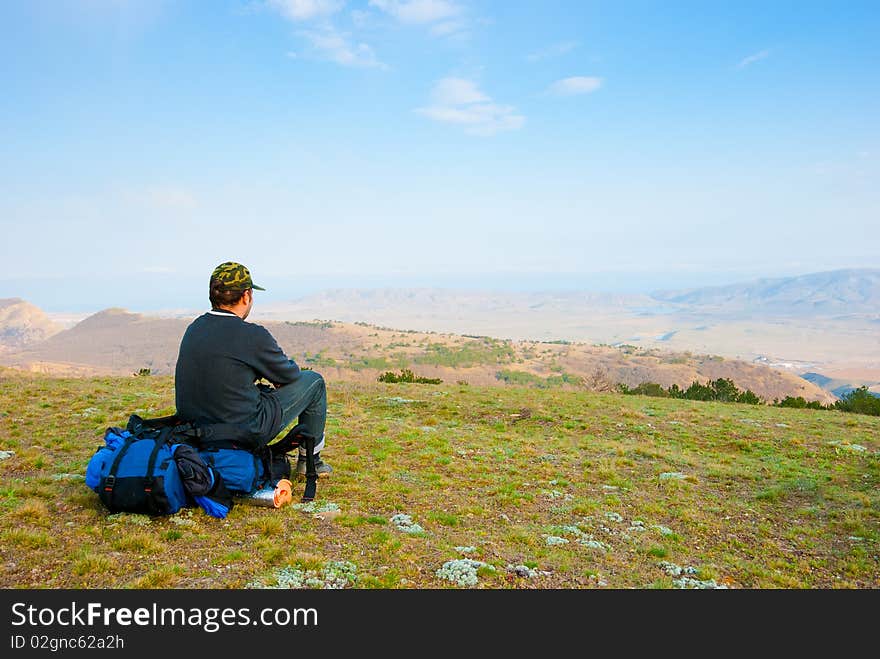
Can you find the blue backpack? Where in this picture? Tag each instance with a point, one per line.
(243, 471)
(233, 455)
(137, 474)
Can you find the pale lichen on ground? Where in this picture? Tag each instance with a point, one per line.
(593, 544)
(130, 518)
(686, 577)
(67, 477)
(689, 583)
(334, 575)
(462, 571)
(315, 507)
(556, 540)
(846, 446)
(580, 537)
(404, 523)
(526, 572)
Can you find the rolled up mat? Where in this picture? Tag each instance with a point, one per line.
(283, 493)
(272, 497)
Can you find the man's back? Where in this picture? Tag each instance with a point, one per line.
(221, 356)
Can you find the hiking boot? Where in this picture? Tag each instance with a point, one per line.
(323, 469)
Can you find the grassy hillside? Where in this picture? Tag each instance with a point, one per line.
(115, 342)
(570, 489)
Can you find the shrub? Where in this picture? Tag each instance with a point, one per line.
(749, 397)
(725, 390)
(722, 390)
(800, 403)
(859, 401)
(645, 389)
(407, 375)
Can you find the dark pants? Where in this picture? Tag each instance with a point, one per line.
(306, 400)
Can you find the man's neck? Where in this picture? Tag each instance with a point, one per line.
(235, 311)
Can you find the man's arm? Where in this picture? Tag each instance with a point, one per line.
(271, 362)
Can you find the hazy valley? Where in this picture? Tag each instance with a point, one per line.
(764, 335)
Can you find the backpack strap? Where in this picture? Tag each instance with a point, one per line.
(158, 443)
(199, 435)
(311, 472)
(106, 492)
(222, 435)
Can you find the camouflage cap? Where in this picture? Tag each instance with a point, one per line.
(234, 277)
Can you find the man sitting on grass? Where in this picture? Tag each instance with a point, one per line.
(221, 359)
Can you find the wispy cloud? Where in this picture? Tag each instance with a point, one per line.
(449, 28)
(334, 46)
(327, 42)
(554, 50)
(575, 85)
(460, 101)
(457, 91)
(304, 10)
(751, 59)
(418, 12)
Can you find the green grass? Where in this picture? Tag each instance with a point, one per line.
(471, 353)
(758, 505)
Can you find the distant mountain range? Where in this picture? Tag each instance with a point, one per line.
(817, 294)
(824, 294)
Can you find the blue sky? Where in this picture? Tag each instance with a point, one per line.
(419, 142)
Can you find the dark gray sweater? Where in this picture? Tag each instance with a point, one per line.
(221, 357)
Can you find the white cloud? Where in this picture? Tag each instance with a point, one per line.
(327, 42)
(457, 91)
(303, 10)
(338, 47)
(554, 50)
(575, 85)
(459, 101)
(418, 12)
(449, 28)
(751, 59)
